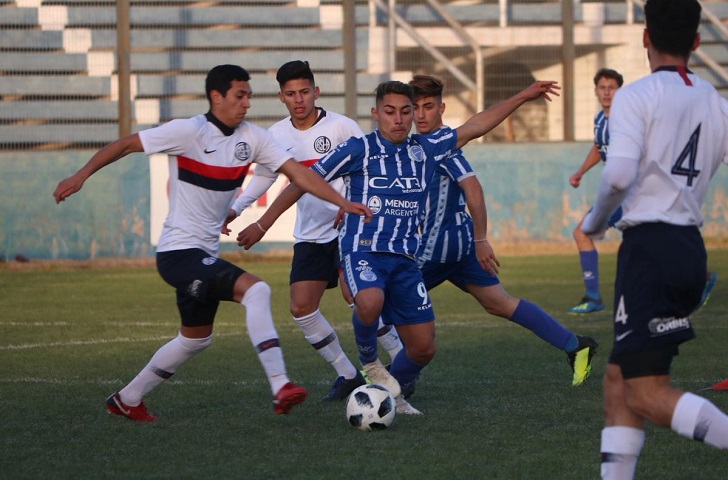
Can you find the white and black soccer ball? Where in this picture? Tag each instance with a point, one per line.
(370, 407)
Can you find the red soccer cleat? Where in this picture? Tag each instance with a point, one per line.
(139, 413)
(720, 385)
(287, 397)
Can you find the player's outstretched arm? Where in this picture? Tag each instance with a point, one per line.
(617, 178)
(475, 200)
(252, 234)
(485, 121)
(592, 158)
(311, 182)
(107, 155)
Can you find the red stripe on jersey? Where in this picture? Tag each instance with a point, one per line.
(211, 171)
(684, 75)
(308, 163)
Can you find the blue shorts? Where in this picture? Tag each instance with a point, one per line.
(406, 300)
(616, 216)
(661, 272)
(201, 280)
(463, 272)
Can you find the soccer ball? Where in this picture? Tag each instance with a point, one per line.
(370, 407)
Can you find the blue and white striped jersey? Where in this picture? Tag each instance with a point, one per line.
(447, 229)
(391, 180)
(601, 134)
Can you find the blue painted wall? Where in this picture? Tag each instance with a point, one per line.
(526, 188)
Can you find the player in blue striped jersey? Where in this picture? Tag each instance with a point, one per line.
(454, 246)
(606, 84)
(388, 170)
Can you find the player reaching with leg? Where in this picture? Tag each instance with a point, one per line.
(209, 156)
(308, 133)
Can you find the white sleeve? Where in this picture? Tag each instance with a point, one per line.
(617, 177)
(258, 185)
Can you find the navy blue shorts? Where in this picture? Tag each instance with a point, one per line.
(316, 261)
(406, 300)
(201, 280)
(466, 271)
(661, 271)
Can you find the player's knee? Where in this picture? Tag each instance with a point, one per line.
(258, 292)
(299, 310)
(644, 403)
(194, 345)
(422, 354)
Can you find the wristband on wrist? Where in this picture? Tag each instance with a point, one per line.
(261, 228)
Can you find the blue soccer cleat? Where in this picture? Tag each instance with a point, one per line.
(712, 279)
(587, 305)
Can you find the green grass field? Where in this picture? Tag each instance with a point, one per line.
(498, 402)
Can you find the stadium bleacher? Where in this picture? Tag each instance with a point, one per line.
(58, 64)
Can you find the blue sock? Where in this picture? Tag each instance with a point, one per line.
(404, 369)
(590, 270)
(366, 339)
(534, 318)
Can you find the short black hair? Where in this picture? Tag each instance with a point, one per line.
(673, 25)
(296, 69)
(608, 73)
(221, 77)
(427, 86)
(393, 87)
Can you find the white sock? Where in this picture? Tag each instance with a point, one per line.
(162, 366)
(322, 337)
(389, 339)
(698, 419)
(263, 335)
(621, 447)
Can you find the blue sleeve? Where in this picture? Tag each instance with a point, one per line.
(455, 166)
(341, 161)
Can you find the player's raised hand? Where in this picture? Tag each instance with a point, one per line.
(67, 187)
(542, 88)
(250, 235)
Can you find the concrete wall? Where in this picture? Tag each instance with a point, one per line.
(526, 188)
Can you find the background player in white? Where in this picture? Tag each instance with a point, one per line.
(209, 157)
(454, 246)
(389, 170)
(606, 84)
(307, 134)
(668, 136)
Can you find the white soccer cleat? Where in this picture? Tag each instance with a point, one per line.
(379, 375)
(403, 407)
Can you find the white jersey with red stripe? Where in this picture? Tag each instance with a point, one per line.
(675, 125)
(207, 164)
(315, 217)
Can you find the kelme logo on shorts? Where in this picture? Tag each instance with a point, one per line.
(209, 260)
